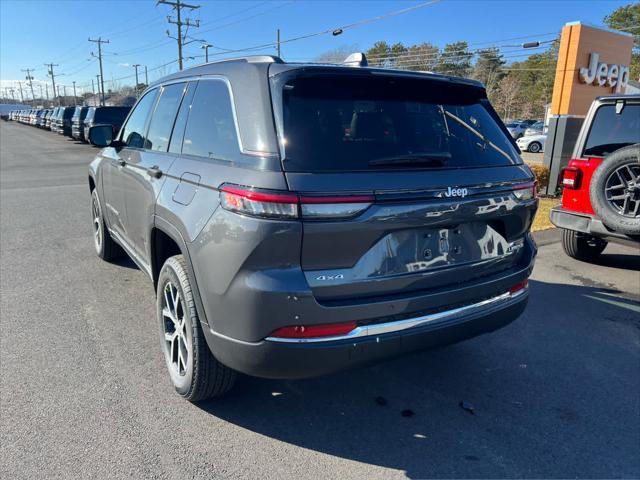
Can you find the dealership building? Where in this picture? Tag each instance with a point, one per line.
(592, 62)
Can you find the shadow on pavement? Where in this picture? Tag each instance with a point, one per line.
(551, 392)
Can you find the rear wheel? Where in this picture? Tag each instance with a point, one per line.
(535, 147)
(581, 246)
(194, 371)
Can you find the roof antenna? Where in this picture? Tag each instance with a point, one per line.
(356, 59)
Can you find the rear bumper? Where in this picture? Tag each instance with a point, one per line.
(582, 222)
(293, 360)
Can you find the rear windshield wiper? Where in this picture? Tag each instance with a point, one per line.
(439, 158)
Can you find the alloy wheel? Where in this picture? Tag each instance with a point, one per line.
(622, 190)
(176, 338)
(97, 222)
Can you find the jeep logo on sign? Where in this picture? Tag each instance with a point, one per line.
(456, 192)
(600, 74)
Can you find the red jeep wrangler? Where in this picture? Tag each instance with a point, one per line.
(601, 185)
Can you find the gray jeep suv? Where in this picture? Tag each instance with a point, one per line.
(299, 219)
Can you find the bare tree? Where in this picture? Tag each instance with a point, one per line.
(508, 88)
(337, 55)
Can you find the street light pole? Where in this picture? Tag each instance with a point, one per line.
(75, 99)
(206, 47)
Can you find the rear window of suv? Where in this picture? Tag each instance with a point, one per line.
(610, 130)
(365, 122)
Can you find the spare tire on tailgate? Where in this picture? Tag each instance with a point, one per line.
(615, 190)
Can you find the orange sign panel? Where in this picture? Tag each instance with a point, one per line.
(591, 62)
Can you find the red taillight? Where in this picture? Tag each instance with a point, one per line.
(519, 286)
(314, 331)
(526, 191)
(260, 204)
(571, 177)
(285, 205)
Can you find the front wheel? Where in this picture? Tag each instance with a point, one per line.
(581, 246)
(106, 248)
(194, 371)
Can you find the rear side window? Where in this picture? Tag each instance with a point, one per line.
(133, 131)
(211, 130)
(364, 123)
(611, 131)
(163, 117)
(90, 113)
(113, 115)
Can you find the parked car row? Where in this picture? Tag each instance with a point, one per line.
(72, 121)
(521, 128)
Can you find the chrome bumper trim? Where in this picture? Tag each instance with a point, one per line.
(400, 325)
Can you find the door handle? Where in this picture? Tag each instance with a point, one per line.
(154, 171)
(119, 161)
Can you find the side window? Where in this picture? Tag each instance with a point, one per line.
(181, 120)
(211, 130)
(133, 131)
(163, 118)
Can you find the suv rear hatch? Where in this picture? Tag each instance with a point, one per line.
(408, 182)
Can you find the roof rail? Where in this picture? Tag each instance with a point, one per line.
(356, 59)
(250, 59)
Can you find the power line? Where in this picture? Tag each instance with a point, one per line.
(178, 6)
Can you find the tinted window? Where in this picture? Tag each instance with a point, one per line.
(76, 113)
(611, 131)
(181, 120)
(112, 115)
(342, 123)
(133, 131)
(211, 130)
(90, 113)
(163, 117)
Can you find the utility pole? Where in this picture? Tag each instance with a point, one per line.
(30, 78)
(41, 95)
(46, 89)
(53, 78)
(278, 42)
(75, 99)
(146, 76)
(98, 77)
(21, 96)
(64, 89)
(178, 6)
(13, 91)
(136, 65)
(99, 41)
(206, 47)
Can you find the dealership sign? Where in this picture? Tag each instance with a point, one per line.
(600, 74)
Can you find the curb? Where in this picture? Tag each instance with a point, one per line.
(547, 237)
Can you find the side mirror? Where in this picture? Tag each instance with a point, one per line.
(101, 135)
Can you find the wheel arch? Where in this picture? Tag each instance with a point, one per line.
(167, 241)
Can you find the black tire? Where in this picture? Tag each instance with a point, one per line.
(535, 147)
(106, 248)
(581, 246)
(201, 375)
(626, 162)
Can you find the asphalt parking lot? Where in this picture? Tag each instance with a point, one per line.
(84, 393)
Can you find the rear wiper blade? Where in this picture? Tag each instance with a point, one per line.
(414, 159)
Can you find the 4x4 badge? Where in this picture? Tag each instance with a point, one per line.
(323, 278)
